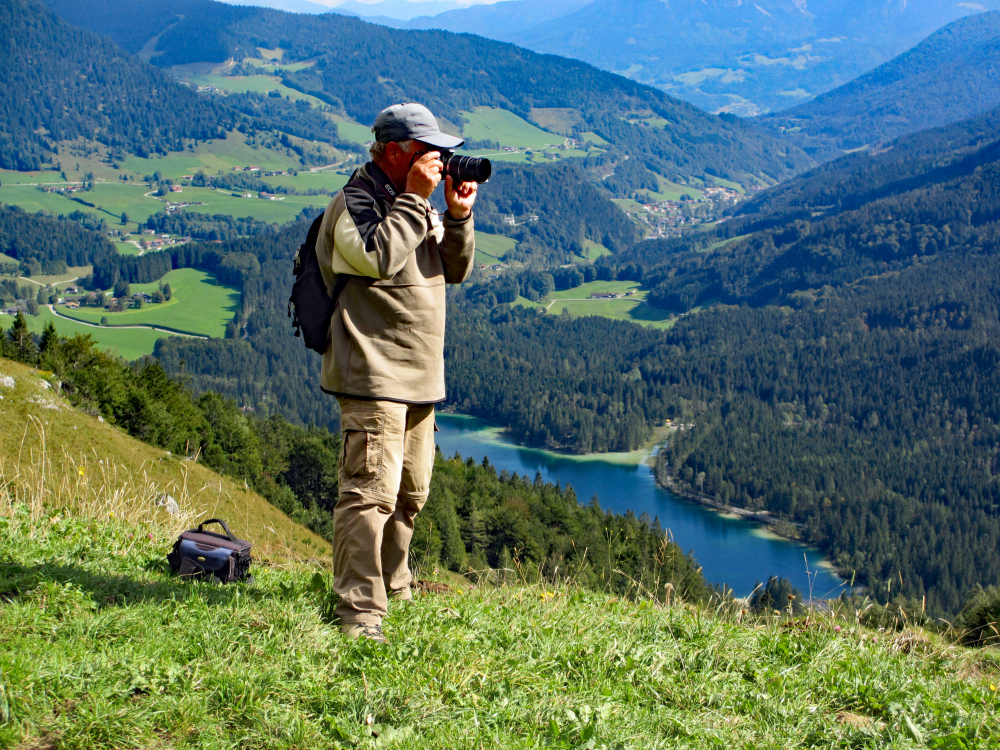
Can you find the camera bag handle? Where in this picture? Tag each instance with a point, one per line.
(223, 525)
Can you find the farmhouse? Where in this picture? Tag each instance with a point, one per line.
(603, 295)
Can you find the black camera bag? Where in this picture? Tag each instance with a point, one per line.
(207, 554)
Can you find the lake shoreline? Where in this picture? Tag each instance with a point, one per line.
(768, 523)
(626, 482)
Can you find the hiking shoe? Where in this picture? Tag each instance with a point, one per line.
(371, 631)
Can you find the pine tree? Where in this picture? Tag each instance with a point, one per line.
(50, 339)
(22, 343)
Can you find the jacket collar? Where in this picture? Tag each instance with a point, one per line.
(379, 178)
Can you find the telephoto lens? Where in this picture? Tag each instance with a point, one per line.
(466, 168)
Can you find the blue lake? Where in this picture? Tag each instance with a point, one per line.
(731, 551)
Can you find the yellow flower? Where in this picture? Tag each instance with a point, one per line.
(80, 471)
(993, 687)
(112, 514)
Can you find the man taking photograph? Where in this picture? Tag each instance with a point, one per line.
(390, 254)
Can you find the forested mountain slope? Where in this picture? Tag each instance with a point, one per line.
(60, 83)
(950, 76)
(363, 68)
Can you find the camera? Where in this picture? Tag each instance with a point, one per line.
(466, 168)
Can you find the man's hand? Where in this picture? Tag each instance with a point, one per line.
(461, 198)
(425, 174)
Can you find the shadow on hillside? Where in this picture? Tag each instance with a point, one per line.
(28, 582)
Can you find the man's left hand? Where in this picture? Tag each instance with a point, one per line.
(460, 198)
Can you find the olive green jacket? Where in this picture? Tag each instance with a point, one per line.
(387, 331)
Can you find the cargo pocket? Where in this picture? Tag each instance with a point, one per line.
(363, 444)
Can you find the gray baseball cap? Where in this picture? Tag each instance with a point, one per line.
(403, 122)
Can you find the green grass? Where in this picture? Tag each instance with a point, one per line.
(129, 343)
(259, 84)
(199, 305)
(594, 138)
(627, 204)
(46, 442)
(105, 649)
(352, 130)
(488, 123)
(490, 247)
(721, 182)
(594, 250)
(722, 243)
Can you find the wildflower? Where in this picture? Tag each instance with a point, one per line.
(150, 535)
(111, 514)
(836, 629)
(993, 687)
(80, 471)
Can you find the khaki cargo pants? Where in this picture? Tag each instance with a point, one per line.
(385, 472)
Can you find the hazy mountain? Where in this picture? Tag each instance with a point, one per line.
(504, 20)
(733, 55)
(293, 6)
(400, 10)
(952, 75)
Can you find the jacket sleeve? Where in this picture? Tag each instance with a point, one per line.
(458, 251)
(379, 246)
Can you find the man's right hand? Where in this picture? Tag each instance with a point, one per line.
(425, 174)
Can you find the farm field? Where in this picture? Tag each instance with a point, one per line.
(130, 343)
(200, 305)
(633, 308)
(259, 84)
(224, 202)
(490, 247)
(329, 181)
(492, 124)
(598, 287)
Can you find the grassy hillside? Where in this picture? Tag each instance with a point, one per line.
(44, 436)
(105, 649)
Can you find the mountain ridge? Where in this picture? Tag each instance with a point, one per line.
(950, 76)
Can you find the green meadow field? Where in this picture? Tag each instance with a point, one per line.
(633, 308)
(490, 247)
(491, 124)
(200, 305)
(130, 343)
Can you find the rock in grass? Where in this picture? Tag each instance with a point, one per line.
(166, 502)
(6, 381)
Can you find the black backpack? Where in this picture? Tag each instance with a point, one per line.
(310, 307)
